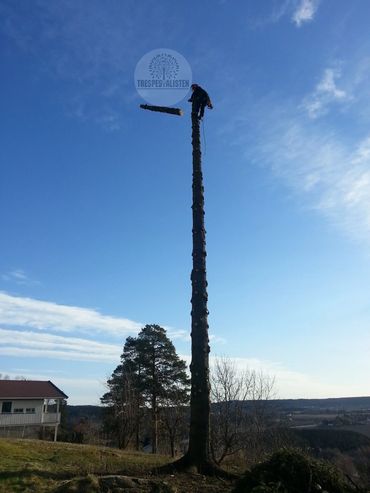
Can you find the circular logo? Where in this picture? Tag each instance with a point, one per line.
(163, 77)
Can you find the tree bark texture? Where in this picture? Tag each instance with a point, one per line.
(198, 453)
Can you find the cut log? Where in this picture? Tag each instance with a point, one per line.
(162, 109)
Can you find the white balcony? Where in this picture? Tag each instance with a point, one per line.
(50, 418)
(15, 419)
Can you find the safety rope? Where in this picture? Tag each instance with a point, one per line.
(204, 137)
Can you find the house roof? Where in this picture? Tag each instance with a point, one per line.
(30, 389)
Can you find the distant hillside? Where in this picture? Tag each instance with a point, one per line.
(75, 413)
(333, 404)
(283, 405)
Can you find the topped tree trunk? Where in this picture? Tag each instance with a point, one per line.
(198, 454)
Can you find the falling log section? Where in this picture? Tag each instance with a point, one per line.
(162, 109)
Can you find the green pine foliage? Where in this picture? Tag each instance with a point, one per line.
(150, 376)
(159, 370)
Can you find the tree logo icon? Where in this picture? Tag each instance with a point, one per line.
(164, 66)
(163, 77)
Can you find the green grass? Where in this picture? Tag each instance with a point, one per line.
(39, 466)
(33, 465)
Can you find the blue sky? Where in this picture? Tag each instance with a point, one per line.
(95, 193)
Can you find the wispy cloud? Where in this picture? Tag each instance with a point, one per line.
(292, 384)
(91, 49)
(326, 93)
(35, 344)
(19, 276)
(217, 339)
(299, 11)
(289, 384)
(326, 167)
(79, 389)
(333, 175)
(46, 315)
(94, 49)
(305, 11)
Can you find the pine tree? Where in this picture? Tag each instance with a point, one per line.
(124, 411)
(156, 374)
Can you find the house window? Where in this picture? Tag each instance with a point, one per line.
(30, 410)
(18, 410)
(6, 407)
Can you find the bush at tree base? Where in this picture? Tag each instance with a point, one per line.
(290, 471)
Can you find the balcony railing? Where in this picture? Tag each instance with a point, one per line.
(14, 419)
(51, 418)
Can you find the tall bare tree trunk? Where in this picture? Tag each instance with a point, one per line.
(198, 453)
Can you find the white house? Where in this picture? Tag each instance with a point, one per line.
(29, 403)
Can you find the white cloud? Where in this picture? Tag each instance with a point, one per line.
(80, 390)
(299, 11)
(18, 276)
(331, 176)
(291, 384)
(46, 315)
(326, 170)
(325, 93)
(217, 339)
(305, 11)
(54, 354)
(324, 162)
(94, 49)
(35, 344)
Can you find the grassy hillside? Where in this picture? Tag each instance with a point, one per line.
(37, 466)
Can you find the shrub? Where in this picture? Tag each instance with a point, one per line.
(289, 471)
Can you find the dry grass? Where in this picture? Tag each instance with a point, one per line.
(40, 467)
(33, 465)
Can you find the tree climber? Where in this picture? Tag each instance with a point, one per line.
(200, 100)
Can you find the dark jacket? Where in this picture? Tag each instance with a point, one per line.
(200, 95)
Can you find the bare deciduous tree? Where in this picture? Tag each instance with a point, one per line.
(174, 421)
(239, 407)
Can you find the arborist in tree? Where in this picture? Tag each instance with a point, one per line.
(200, 100)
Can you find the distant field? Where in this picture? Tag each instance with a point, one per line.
(344, 440)
(40, 467)
(363, 429)
(316, 417)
